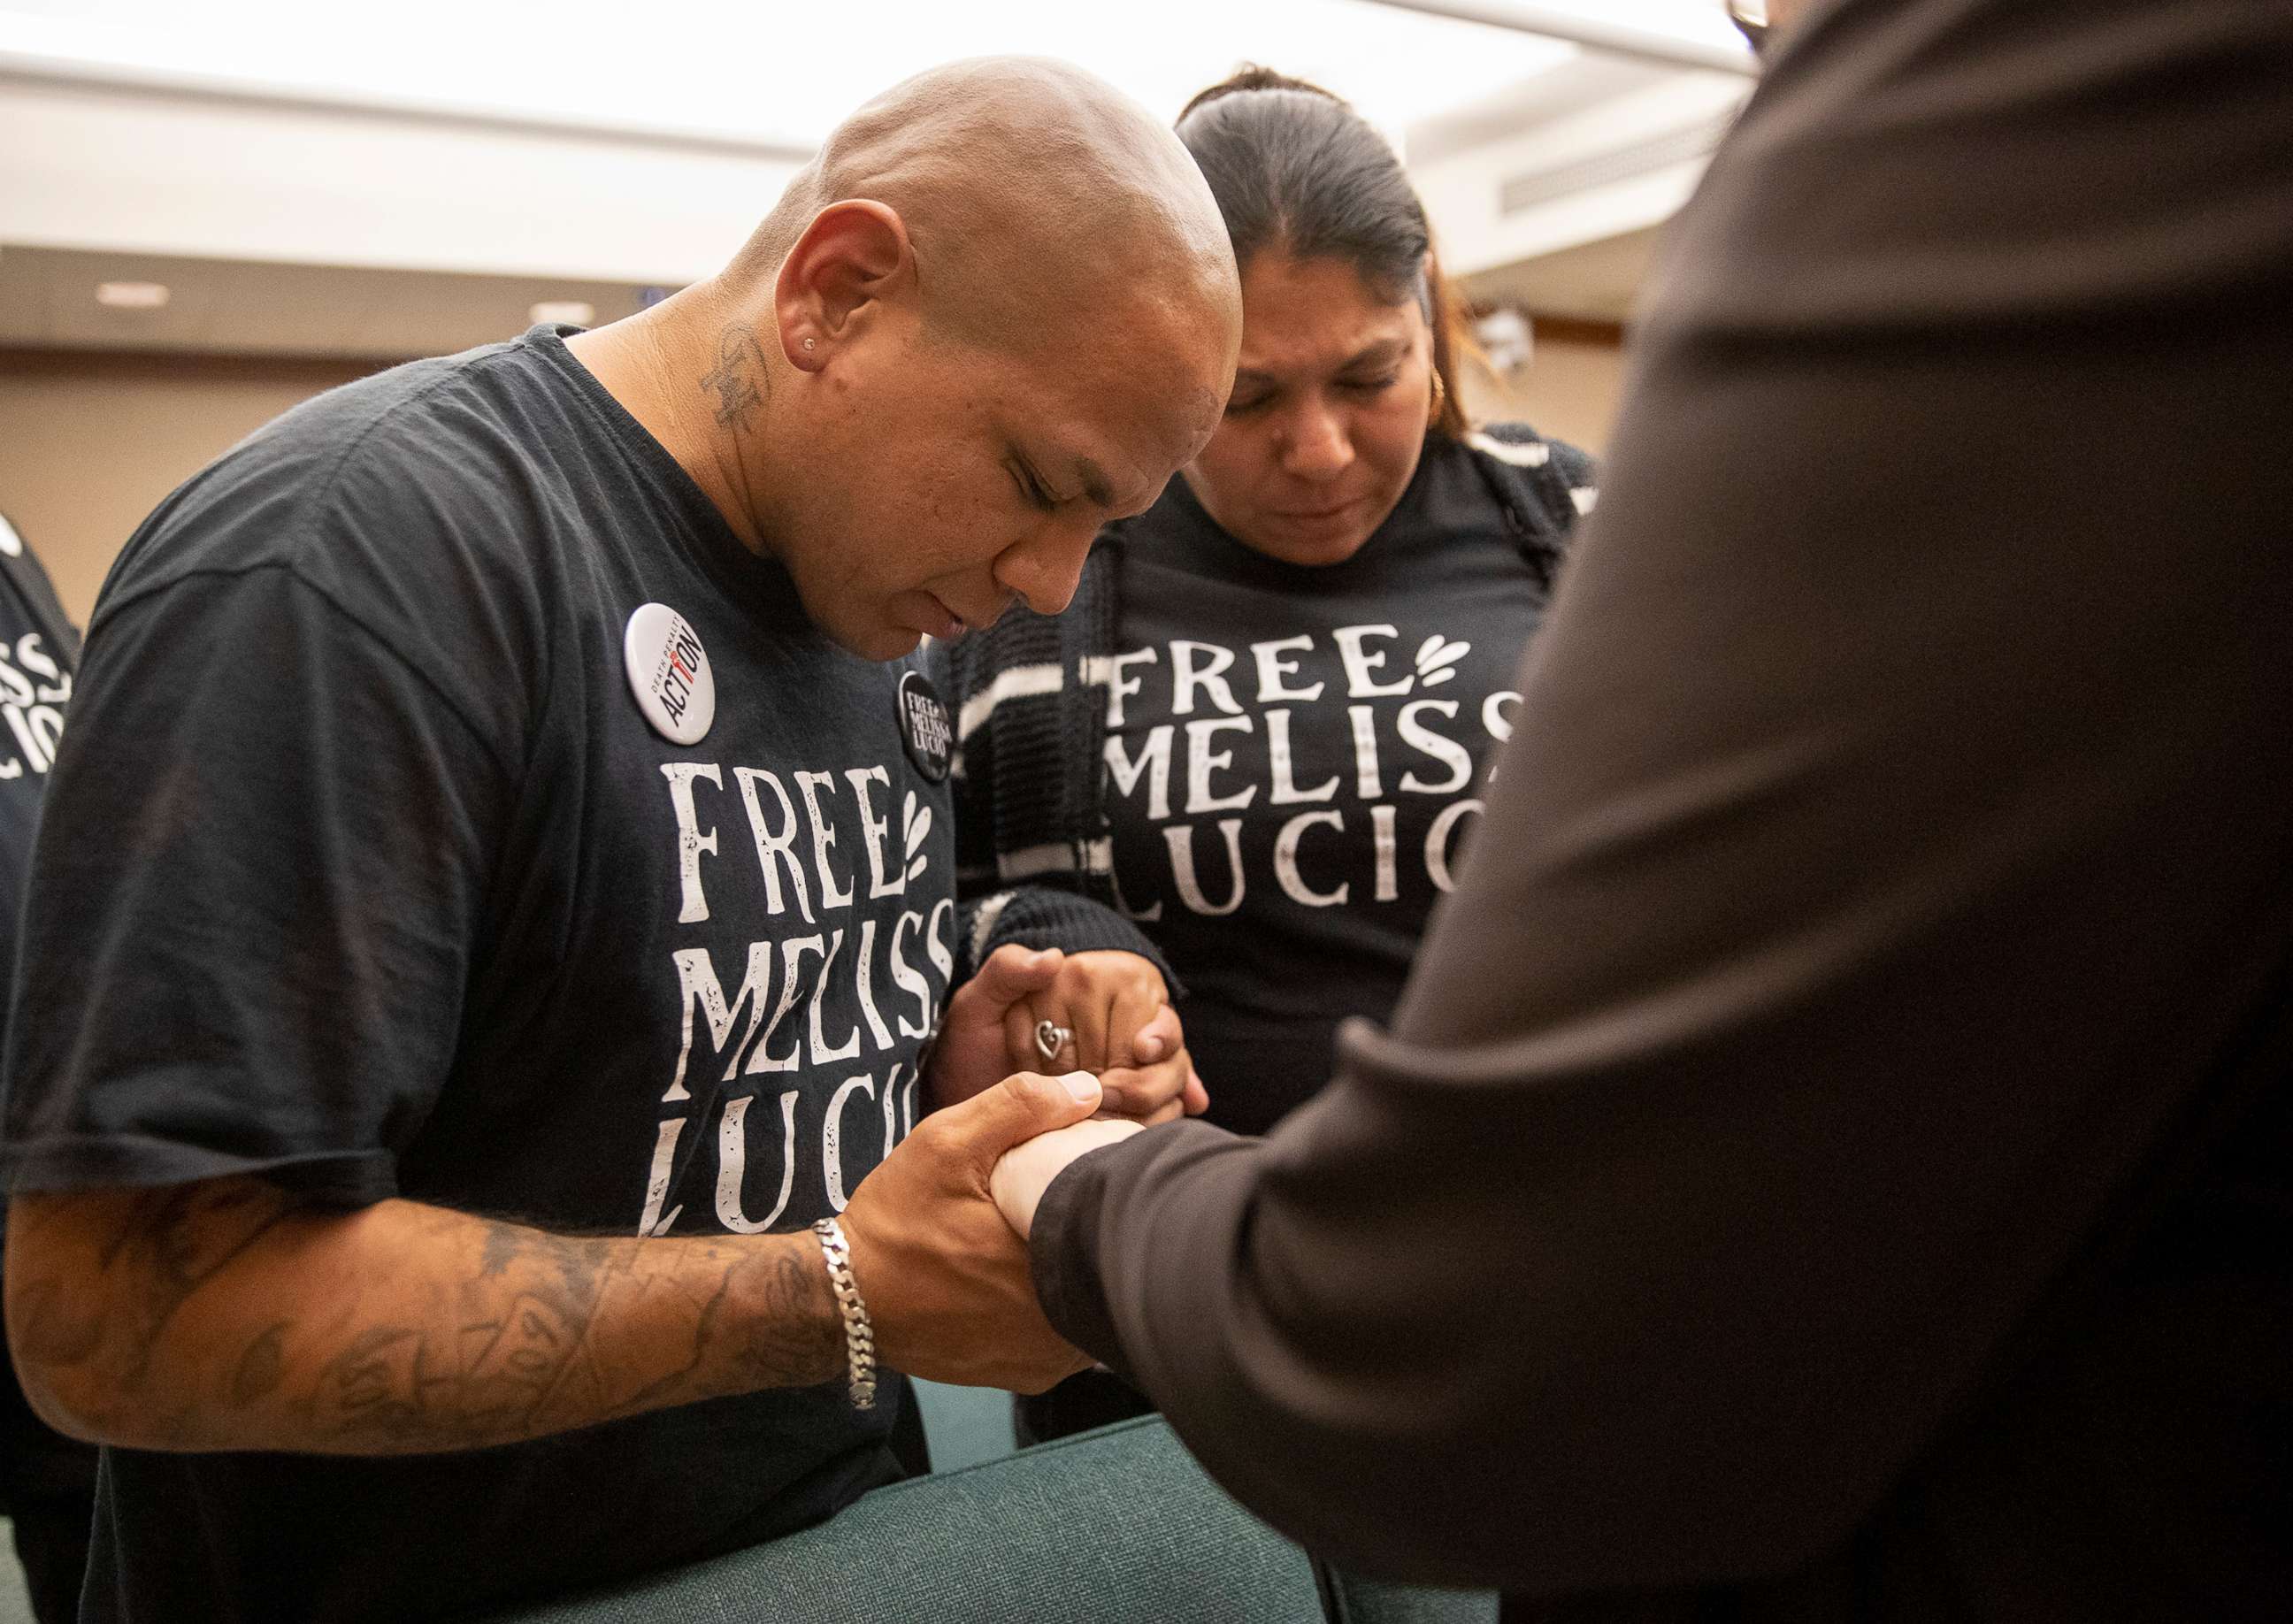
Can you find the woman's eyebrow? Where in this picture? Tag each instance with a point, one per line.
(1373, 354)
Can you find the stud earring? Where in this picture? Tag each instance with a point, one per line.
(809, 342)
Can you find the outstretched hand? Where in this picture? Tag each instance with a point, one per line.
(1026, 1170)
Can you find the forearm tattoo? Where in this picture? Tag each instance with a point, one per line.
(445, 1332)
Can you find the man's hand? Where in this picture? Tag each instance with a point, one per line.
(970, 1053)
(946, 1278)
(1026, 1170)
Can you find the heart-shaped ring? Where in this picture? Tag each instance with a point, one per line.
(1050, 1038)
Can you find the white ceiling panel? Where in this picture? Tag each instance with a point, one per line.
(783, 74)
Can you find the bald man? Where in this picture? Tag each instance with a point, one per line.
(495, 902)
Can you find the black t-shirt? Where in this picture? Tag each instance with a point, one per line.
(38, 653)
(365, 871)
(1293, 760)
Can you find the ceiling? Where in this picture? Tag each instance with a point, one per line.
(1593, 281)
(781, 74)
(303, 184)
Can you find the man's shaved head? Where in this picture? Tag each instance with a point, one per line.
(1016, 177)
(997, 310)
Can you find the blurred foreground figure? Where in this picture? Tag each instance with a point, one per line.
(1832, 1159)
(487, 796)
(47, 1480)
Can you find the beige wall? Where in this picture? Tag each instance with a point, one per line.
(1568, 391)
(89, 443)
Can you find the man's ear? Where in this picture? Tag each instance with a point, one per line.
(852, 255)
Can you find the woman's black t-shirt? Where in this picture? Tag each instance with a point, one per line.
(1293, 759)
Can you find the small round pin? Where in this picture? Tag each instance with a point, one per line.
(668, 674)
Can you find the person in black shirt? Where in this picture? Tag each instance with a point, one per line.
(1294, 663)
(498, 892)
(47, 1480)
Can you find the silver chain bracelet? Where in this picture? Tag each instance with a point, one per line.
(859, 1335)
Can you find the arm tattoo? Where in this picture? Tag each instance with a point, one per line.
(175, 1240)
(739, 376)
(261, 1368)
(447, 1331)
(544, 1362)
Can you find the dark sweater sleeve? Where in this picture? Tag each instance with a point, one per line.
(1890, 854)
(1048, 916)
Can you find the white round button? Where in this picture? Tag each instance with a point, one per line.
(669, 675)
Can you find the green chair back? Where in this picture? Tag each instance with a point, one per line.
(1118, 1526)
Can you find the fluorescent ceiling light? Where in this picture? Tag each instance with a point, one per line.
(132, 295)
(571, 312)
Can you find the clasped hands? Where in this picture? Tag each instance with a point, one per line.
(938, 1231)
(1112, 1014)
(1111, 1009)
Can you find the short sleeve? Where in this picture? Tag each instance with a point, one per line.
(259, 878)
